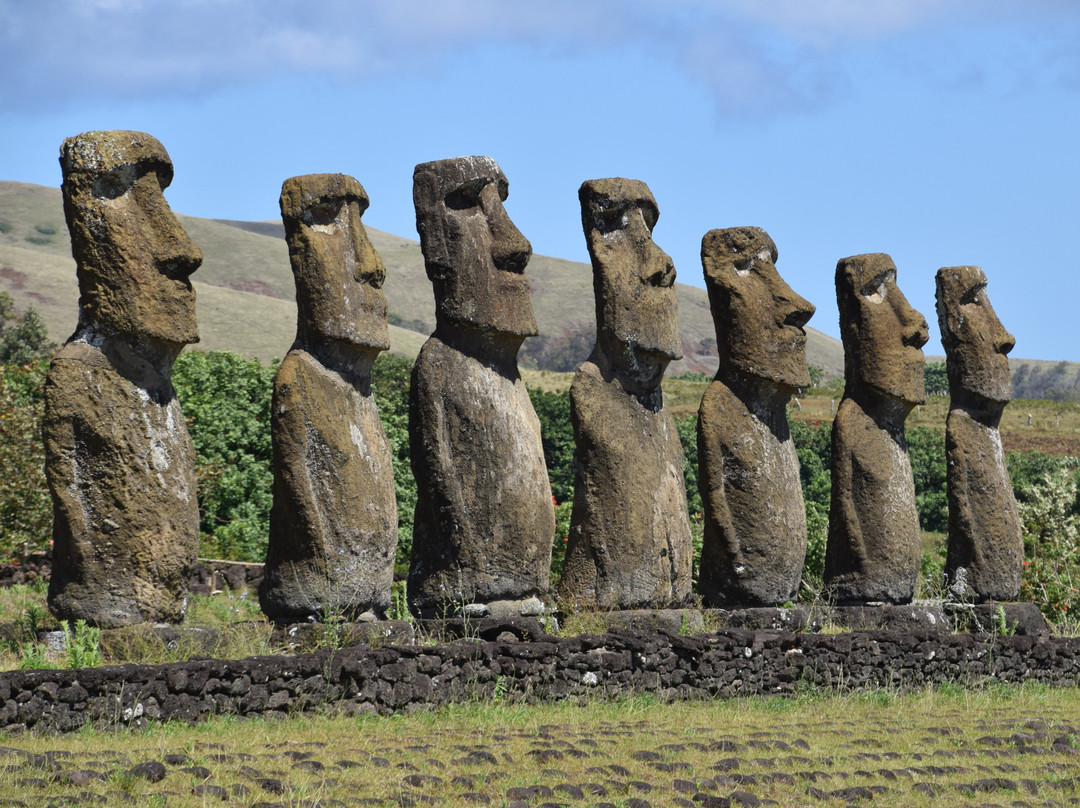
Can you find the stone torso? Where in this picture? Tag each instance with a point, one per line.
(874, 538)
(629, 544)
(333, 527)
(484, 517)
(119, 461)
(755, 521)
(985, 539)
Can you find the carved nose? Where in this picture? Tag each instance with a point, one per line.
(174, 251)
(371, 266)
(663, 269)
(799, 309)
(510, 250)
(916, 331)
(1005, 341)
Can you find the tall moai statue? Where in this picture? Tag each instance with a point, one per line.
(755, 520)
(484, 519)
(873, 549)
(629, 544)
(985, 558)
(333, 524)
(118, 457)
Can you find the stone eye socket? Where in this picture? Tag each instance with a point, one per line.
(607, 219)
(114, 184)
(465, 196)
(877, 290)
(743, 266)
(973, 295)
(324, 212)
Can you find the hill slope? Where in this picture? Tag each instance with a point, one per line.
(246, 298)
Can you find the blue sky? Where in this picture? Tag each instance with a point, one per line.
(942, 132)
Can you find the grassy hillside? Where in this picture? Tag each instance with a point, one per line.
(245, 287)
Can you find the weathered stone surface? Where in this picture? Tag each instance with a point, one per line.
(873, 549)
(755, 520)
(986, 546)
(484, 519)
(333, 525)
(119, 461)
(629, 544)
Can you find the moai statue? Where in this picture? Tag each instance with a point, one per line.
(484, 516)
(755, 520)
(985, 558)
(873, 549)
(629, 544)
(333, 525)
(118, 458)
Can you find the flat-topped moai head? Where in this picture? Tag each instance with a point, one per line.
(339, 275)
(133, 257)
(759, 318)
(474, 255)
(976, 343)
(637, 326)
(882, 334)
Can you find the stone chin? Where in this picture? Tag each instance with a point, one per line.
(906, 383)
(170, 321)
(786, 368)
(361, 324)
(987, 378)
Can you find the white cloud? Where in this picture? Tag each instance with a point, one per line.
(750, 55)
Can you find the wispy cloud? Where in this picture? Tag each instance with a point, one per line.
(749, 55)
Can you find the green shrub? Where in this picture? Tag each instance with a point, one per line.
(936, 379)
(226, 402)
(22, 339)
(25, 504)
(390, 379)
(1052, 546)
(686, 426)
(557, 436)
(926, 450)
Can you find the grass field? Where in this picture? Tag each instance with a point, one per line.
(947, 747)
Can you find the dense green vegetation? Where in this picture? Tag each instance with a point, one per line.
(226, 401)
(23, 338)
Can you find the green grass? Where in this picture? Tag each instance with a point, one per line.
(778, 748)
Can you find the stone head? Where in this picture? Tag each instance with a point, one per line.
(882, 334)
(132, 255)
(637, 324)
(474, 255)
(339, 276)
(759, 319)
(976, 343)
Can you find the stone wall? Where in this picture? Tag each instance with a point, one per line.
(389, 679)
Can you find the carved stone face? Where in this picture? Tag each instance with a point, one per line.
(759, 319)
(339, 275)
(474, 255)
(637, 321)
(132, 254)
(882, 334)
(976, 343)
